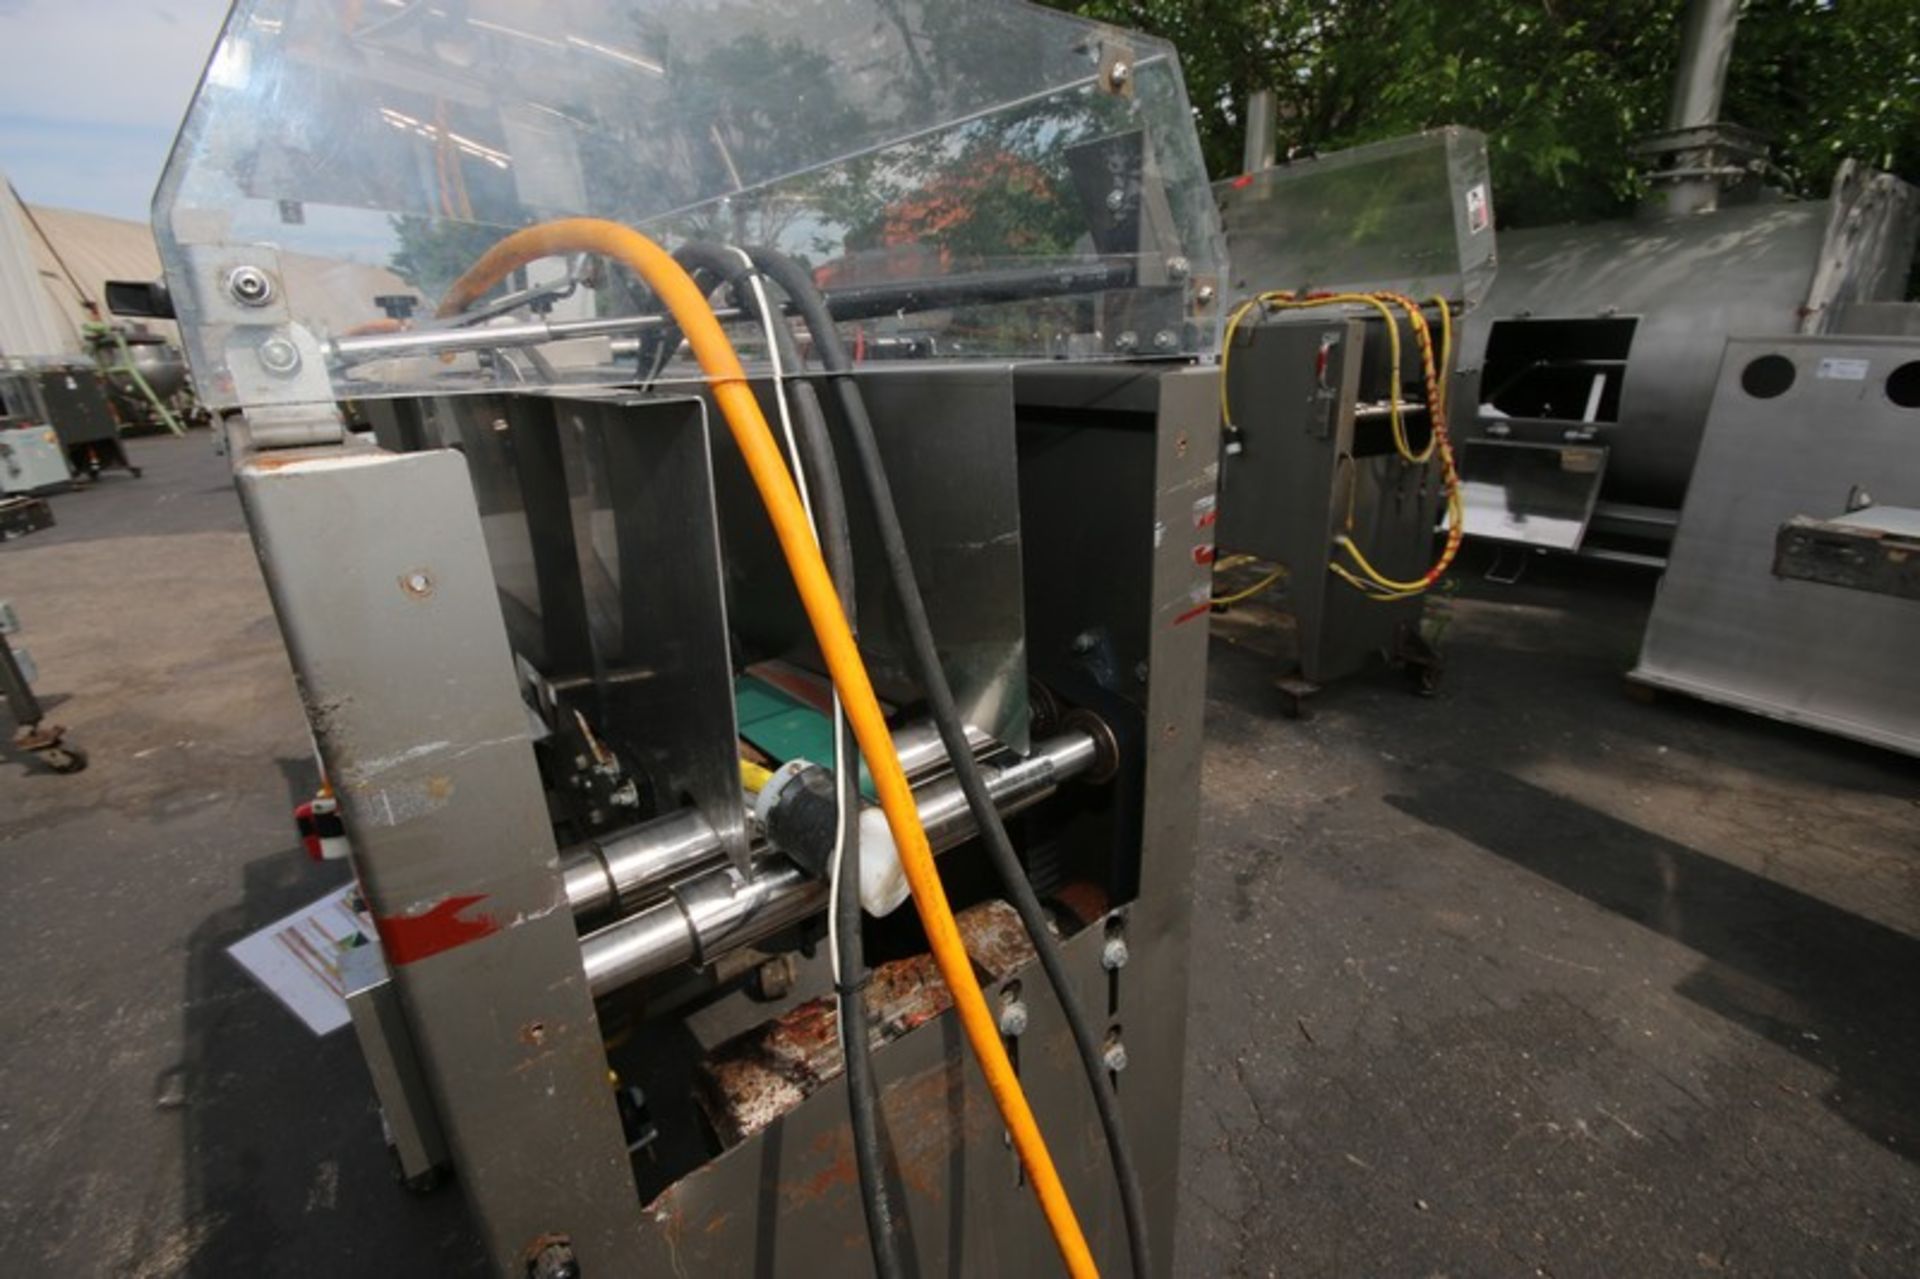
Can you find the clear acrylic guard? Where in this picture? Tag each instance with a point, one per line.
(1412, 215)
(344, 161)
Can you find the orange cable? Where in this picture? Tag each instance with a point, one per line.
(682, 297)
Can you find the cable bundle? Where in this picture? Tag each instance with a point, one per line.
(1361, 574)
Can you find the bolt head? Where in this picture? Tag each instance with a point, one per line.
(1114, 955)
(1204, 294)
(1126, 341)
(1177, 267)
(1164, 340)
(1119, 74)
(250, 286)
(1116, 200)
(1013, 1019)
(1115, 1057)
(277, 355)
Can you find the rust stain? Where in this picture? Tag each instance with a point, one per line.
(756, 1078)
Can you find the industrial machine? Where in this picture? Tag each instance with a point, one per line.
(145, 376)
(1593, 361)
(31, 459)
(755, 390)
(1347, 271)
(71, 400)
(1793, 589)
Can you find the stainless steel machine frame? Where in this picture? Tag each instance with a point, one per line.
(1784, 593)
(528, 618)
(1316, 463)
(1310, 456)
(380, 571)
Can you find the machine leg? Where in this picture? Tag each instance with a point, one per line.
(31, 734)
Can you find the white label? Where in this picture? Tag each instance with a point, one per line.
(1843, 370)
(1477, 218)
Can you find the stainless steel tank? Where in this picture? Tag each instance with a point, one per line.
(159, 362)
(1593, 358)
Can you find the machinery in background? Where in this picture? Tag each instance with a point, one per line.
(146, 377)
(576, 664)
(32, 735)
(1793, 587)
(1592, 362)
(1336, 467)
(31, 459)
(71, 399)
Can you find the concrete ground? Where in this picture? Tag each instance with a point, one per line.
(1527, 978)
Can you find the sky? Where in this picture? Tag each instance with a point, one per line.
(91, 92)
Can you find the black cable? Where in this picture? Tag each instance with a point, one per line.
(801, 290)
(850, 984)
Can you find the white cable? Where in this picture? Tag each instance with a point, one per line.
(768, 320)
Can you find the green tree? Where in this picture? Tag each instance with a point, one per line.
(1561, 87)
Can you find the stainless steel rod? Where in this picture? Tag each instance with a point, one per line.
(720, 910)
(620, 871)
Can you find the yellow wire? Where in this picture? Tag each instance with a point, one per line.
(1284, 301)
(766, 464)
(1240, 596)
(1370, 580)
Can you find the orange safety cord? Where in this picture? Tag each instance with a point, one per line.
(684, 300)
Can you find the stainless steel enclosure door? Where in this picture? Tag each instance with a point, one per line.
(1799, 427)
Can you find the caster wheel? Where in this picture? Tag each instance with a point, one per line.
(64, 759)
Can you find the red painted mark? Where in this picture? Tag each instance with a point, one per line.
(1203, 554)
(1198, 610)
(1244, 180)
(1205, 521)
(407, 938)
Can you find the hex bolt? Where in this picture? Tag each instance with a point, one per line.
(1013, 1019)
(1204, 295)
(1126, 341)
(1115, 1057)
(1114, 955)
(1177, 268)
(1116, 200)
(1164, 340)
(1118, 75)
(250, 286)
(278, 355)
(1085, 642)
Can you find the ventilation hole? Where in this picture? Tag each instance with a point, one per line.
(1903, 385)
(1767, 377)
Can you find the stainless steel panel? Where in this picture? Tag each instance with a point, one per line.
(578, 494)
(1534, 494)
(947, 439)
(386, 1045)
(649, 558)
(1724, 626)
(379, 576)
(1301, 478)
